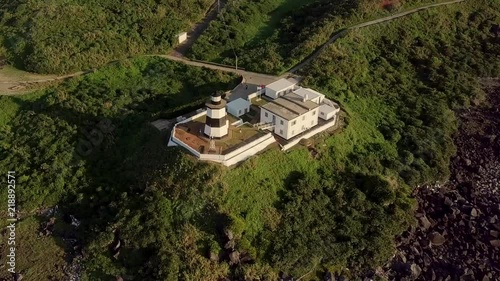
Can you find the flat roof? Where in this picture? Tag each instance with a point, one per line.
(281, 111)
(289, 106)
(326, 108)
(311, 94)
(281, 84)
(299, 101)
(239, 103)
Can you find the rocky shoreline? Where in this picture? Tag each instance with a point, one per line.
(458, 231)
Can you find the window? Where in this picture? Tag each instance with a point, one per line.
(294, 122)
(281, 122)
(265, 114)
(281, 132)
(239, 112)
(322, 113)
(314, 112)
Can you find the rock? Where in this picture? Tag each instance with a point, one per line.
(229, 234)
(214, 256)
(230, 245)
(329, 277)
(467, 162)
(497, 226)
(494, 233)
(474, 212)
(495, 243)
(448, 202)
(119, 278)
(437, 239)
(427, 260)
(415, 270)
(485, 278)
(18, 277)
(467, 277)
(425, 223)
(234, 258)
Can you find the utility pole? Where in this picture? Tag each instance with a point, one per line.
(218, 6)
(236, 61)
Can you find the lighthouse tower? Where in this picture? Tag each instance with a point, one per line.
(217, 124)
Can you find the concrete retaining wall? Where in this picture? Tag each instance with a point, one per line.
(310, 134)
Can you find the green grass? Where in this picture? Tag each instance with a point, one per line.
(264, 28)
(37, 257)
(251, 189)
(10, 106)
(10, 73)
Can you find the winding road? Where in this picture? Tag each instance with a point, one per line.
(17, 87)
(344, 31)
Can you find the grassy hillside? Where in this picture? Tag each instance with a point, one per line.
(65, 36)
(273, 35)
(398, 84)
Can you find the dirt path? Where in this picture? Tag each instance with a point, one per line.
(13, 86)
(198, 29)
(344, 31)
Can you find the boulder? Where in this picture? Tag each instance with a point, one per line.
(214, 256)
(495, 243)
(230, 245)
(437, 239)
(415, 270)
(234, 258)
(424, 222)
(229, 234)
(474, 212)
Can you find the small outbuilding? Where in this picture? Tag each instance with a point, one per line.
(280, 88)
(238, 107)
(328, 111)
(181, 37)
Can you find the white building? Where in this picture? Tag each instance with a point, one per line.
(310, 94)
(181, 37)
(238, 107)
(280, 88)
(290, 115)
(328, 111)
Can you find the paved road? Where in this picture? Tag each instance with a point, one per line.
(344, 31)
(250, 78)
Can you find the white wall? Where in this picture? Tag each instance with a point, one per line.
(217, 132)
(302, 123)
(238, 111)
(276, 94)
(216, 113)
(310, 134)
(279, 129)
(182, 37)
(287, 130)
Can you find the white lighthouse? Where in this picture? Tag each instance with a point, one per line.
(217, 124)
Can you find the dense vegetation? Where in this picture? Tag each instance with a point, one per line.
(398, 84)
(273, 35)
(64, 36)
